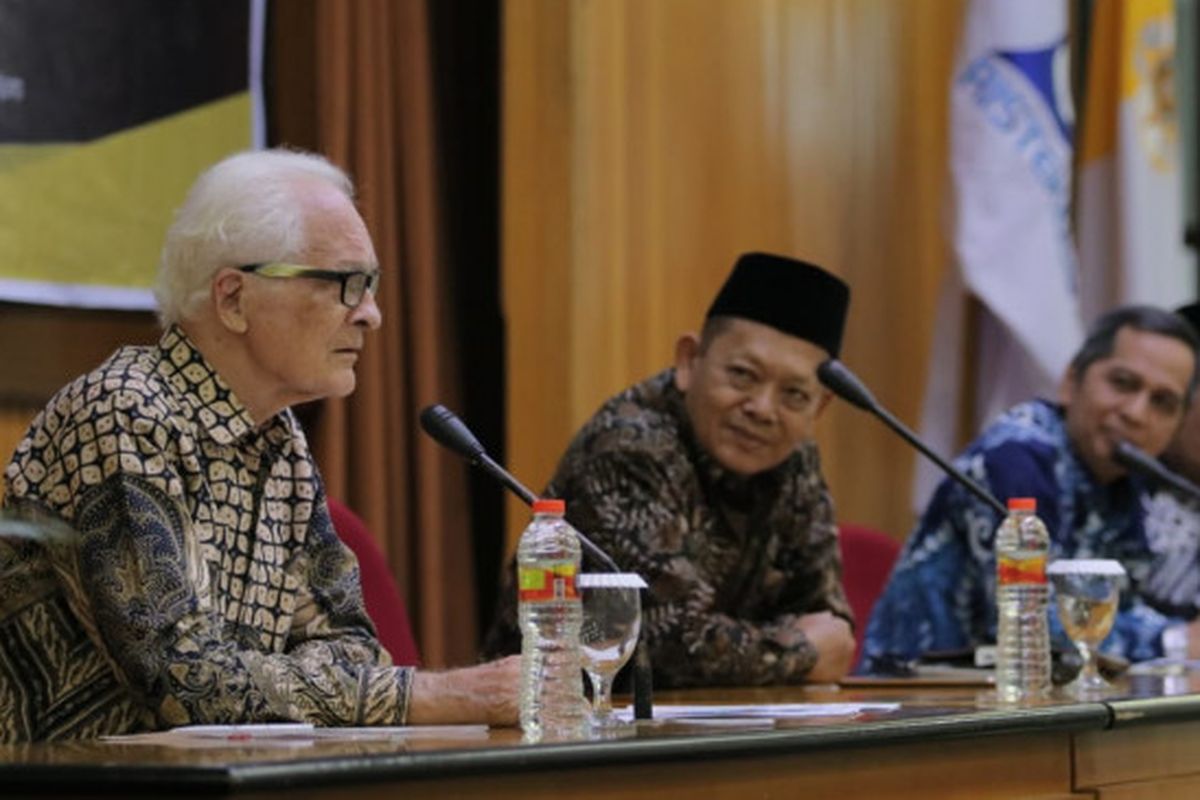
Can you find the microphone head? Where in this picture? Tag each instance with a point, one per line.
(1135, 459)
(838, 379)
(1128, 455)
(449, 431)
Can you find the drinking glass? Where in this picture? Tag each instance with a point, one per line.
(1086, 592)
(612, 620)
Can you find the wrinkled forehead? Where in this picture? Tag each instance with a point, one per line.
(334, 232)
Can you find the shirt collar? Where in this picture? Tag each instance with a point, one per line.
(214, 407)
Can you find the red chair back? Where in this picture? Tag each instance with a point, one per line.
(867, 559)
(385, 604)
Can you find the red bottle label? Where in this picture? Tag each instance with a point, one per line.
(1013, 571)
(536, 585)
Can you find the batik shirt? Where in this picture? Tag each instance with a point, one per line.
(941, 594)
(203, 582)
(1173, 536)
(730, 561)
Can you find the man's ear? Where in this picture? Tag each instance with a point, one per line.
(229, 299)
(1066, 387)
(687, 350)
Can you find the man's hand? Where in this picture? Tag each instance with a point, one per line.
(831, 636)
(484, 693)
(1193, 639)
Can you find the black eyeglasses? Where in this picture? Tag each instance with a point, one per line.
(355, 283)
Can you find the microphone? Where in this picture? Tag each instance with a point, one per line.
(1137, 460)
(452, 433)
(444, 426)
(838, 378)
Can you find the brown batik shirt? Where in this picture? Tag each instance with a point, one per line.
(203, 582)
(731, 561)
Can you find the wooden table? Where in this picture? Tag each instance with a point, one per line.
(1143, 741)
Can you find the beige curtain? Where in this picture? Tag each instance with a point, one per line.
(370, 83)
(646, 144)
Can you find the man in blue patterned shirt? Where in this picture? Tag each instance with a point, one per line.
(1173, 529)
(1131, 381)
(203, 582)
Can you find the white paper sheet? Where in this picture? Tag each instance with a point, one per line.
(760, 711)
(288, 734)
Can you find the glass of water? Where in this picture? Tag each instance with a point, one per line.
(612, 620)
(1086, 592)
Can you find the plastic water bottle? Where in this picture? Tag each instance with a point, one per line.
(550, 614)
(1022, 628)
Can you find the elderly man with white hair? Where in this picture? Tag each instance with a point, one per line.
(203, 581)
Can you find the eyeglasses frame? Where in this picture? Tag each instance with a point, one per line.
(283, 269)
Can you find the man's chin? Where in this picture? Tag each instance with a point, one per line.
(744, 464)
(1106, 469)
(341, 386)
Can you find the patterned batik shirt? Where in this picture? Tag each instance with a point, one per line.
(941, 594)
(203, 583)
(1173, 535)
(731, 562)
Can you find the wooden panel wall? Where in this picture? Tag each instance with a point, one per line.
(42, 348)
(648, 142)
(14, 419)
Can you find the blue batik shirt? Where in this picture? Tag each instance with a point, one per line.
(1173, 535)
(941, 594)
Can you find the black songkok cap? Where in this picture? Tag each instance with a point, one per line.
(1191, 313)
(792, 296)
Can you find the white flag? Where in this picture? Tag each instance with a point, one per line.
(1010, 151)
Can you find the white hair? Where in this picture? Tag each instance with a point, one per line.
(242, 210)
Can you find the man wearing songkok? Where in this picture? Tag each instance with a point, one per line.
(1173, 529)
(202, 581)
(704, 479)
(1131, 380)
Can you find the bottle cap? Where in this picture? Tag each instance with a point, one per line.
(1022, 504)
(549, 506)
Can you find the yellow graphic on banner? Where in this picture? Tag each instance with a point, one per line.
(95, 213)
(1133, 62)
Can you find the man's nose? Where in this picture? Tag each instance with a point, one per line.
(1137, 407)
(367, 312)
(760, 402)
